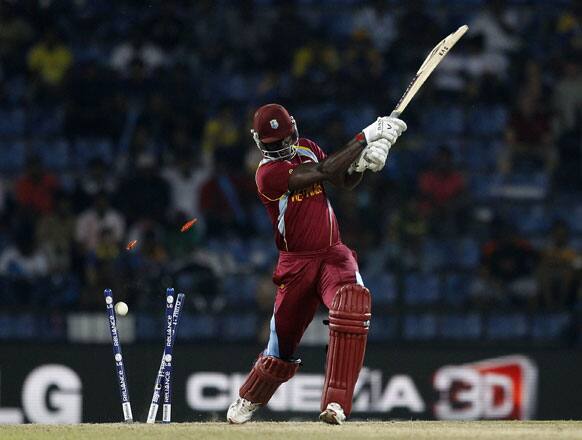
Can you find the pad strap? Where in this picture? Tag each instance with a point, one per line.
(266, 376)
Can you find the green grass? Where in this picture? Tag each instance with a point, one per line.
(302, 431)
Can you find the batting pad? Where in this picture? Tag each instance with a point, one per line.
(349, 321)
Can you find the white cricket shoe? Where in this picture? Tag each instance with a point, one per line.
(333, 414)
(240, 411)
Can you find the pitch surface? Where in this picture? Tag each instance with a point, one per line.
(303, 431)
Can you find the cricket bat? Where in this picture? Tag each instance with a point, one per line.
(432, 60)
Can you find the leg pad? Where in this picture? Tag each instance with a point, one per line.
(349, 321)
(266, 376)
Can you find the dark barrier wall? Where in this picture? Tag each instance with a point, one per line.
(73, 383)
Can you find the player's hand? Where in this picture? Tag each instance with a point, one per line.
(384, 128)
(376, 155)
(384, 133)
(373, 158)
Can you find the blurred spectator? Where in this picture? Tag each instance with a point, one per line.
(199, 279)
(443, 194)
(92, 223)
(100, 267)
(152, 255)
(181, 245)
(377, 20)
(98, 233)
(23, 266)
(473, 68)
(56, 232)
(145, 195)
(35, 189)
(50, 59)
(534, 85)
(568, 174)
(24, 259)
(362, 63)
(507, 270)
(408, 229)
(97, 179)
(185, 178)
(15, 34)
(528, 137)
(137, 49)
(499, 26)
(220, 132)
(142, 143)
(557, 268)
(567, 100)
(314, 66)
(269, 88)
(227, 197)
(569, 26)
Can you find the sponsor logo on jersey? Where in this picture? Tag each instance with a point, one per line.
(313, 190)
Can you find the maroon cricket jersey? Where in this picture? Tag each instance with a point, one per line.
(303, 220)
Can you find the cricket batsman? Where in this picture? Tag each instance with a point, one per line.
(314, 265)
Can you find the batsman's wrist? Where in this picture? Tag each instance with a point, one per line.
(361, 138)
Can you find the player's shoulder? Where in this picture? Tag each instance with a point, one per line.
(272, 178)
(308, 147)
(307, 143)
(268, 169)
(267, 165)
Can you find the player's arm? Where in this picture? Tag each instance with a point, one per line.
(333, 168)
(344, 168)
(352, 180)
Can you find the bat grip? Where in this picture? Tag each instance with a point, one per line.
(395, 114)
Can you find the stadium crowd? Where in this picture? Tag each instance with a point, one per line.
(121, 120)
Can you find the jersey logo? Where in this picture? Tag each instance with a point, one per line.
(274, 124)
(313, 190)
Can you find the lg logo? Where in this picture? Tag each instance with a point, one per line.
(50, 394)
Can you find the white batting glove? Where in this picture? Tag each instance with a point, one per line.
(380, 135)
(373, 158)
(384, 128)
(377, 154)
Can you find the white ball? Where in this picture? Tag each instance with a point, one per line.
(121, 308)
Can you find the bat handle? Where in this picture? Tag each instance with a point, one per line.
(395, 114)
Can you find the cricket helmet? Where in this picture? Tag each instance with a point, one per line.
(275, 131)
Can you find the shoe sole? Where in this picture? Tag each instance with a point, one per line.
(330, 417)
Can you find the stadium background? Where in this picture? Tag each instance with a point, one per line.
(120, 120)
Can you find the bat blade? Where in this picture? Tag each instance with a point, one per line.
(430, 63)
